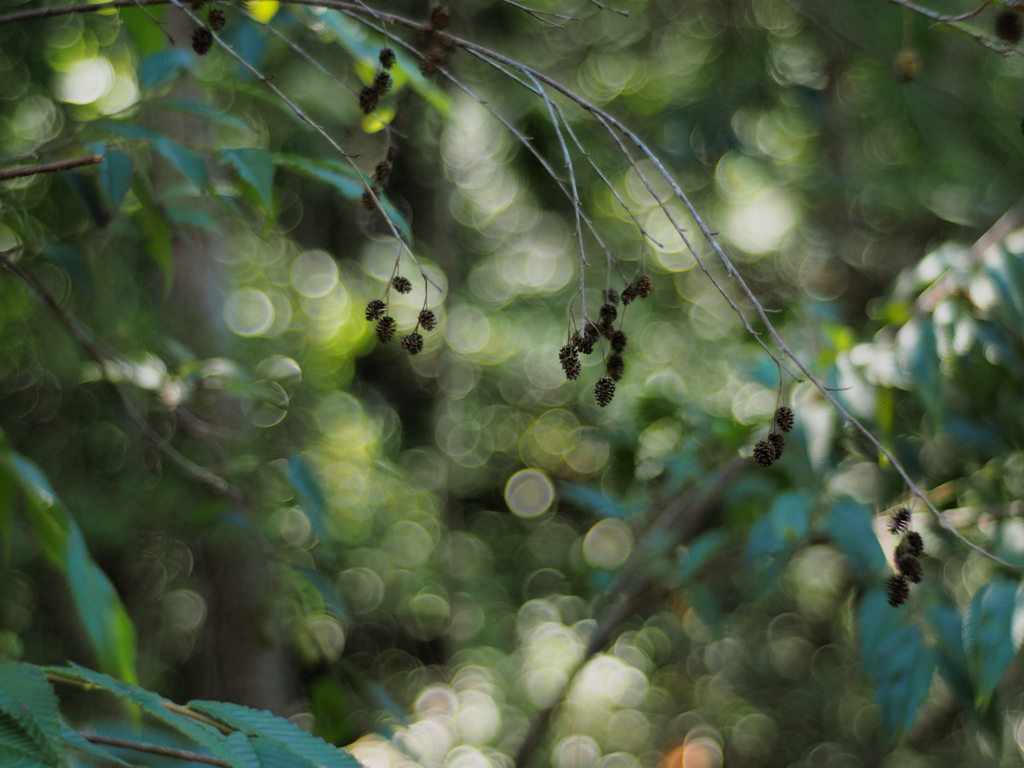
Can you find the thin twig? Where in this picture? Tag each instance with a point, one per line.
(953, 22)
(540, 15)
(215, 484)
(60, 165)
(153, 749)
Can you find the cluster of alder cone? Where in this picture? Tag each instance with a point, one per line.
(769, 450)
(377, 309)
(582, 342)
(905, 558)
(202, 38)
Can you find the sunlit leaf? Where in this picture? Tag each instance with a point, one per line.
(256, 168)
(191, 164)
(850, 526)
(919, 358)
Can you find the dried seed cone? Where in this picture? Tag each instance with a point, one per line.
(401, 284)
(897, 590)
(368, 203)
(899, 520)
(618, 340)
(570, 362)
(1009, 27)
(905, 65)
(611, 296)
(914, 543)
(583, 344)
(387, 58)
(604, 391)
(381, 83)
(382, 173)
(644, 285)
(216, 19)
(413, 343)
(202, 40)
(777, 443)
(431, 61)
(628, 294)
(439, 16)
(375, 309)
(368, 99)
(764, 453)
(615, 366)
(784, 419)
(385, 329)
(427, 320)
(910, 567)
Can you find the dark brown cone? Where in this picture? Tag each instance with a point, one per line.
(392, 153)
(897, 590)
(216, 19)
(583, 344)
(431, 61)
(387, 58)
(1009, 27)
(644, 285)
(899, 520)
(764, 454)
(777, 443)
(611, 296)
(385, 329)
(604, 391)
(427, 320)
(382, 174)
(202, 40)
(570, 361)
(784, 419)
(439, 16)
(367, 99)
(375, 309)
(618, 340)
(913, 543)
(368, 203)
(381, 83)
(910, 567)
(413, 343)
(401, 284)
(628, 294)
(615, 366)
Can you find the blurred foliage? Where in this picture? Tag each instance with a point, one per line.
(216, 484)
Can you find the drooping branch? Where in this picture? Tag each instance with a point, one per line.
(153, 749)
(59, 165)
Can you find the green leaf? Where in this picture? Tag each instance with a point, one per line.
(849, 525)
(103, 615)
(896, 661)
(154, 225)
(17, 748)
(207, 111)
(26, 698)
(256, 168)
(269, 727)
(163, 65)
(100, 609)
(592, 499)
(157, 707)
(350, 184)
(115, 173)
(918, 353)
(993, 625)
(366, 49)
(191, 164)
(949, 651)
(783, 527)
(699, 553)
(239, 744)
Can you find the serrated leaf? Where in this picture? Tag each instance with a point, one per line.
(75, 740)
(191, 164)
(992, 634)
(270, 727)
(157, 707)
(256, 168)
(26, 697)
(949, 652)
(17, 748)
(239, 744)
(850, 526)
(162, 66)
(345, 180)
(116, 176)
(918, 355)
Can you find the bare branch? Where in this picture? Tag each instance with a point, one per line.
(60, 165)
(153, 749)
